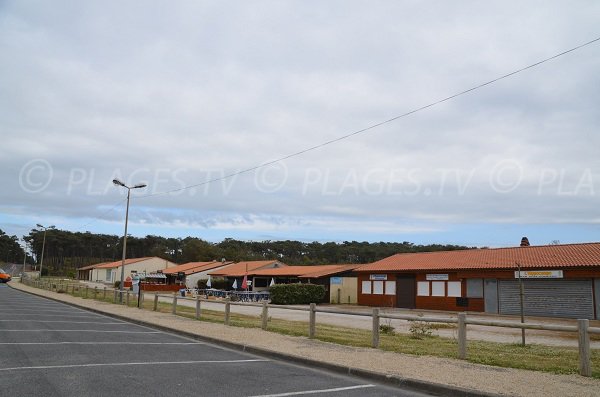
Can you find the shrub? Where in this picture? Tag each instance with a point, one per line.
(117, 284)
(296, 294)
(420, 329)
(218, 283)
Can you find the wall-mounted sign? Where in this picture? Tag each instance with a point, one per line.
(436, 277)
(378, 277)
(540, 274)
(335, 280)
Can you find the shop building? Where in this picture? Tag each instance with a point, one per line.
(558, 281)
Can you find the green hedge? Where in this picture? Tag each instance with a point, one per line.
(296, 294)
(216, 283)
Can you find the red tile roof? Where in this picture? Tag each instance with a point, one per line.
(333, 269)
(114, 264)
(242, 268)
(293, 271)
(195, 267)
(548, 256)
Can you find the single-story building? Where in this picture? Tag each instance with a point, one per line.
(85, 272)
(237, 271)
(189, 273)
(111, 272)
(558, 280)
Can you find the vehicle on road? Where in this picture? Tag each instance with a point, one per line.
(4, 277)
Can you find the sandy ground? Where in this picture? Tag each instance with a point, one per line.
(502, 381)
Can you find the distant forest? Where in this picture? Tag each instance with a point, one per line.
(66, 251)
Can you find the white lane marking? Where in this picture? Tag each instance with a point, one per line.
(297, 393)
(79, 330)
(102, 343)
(43, 310)
(134, 363)
(54, 315)
(63, 321)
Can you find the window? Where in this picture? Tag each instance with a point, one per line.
(378, 287)
(390, 288)
(474, 288)
(438, 288)
(454, 288)
(423, 288)
(108, 274)
(366, 287)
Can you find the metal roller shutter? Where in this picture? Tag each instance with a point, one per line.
(548, 298)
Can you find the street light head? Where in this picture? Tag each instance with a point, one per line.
(139, 186)
(118, 182)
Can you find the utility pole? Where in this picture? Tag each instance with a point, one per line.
(521, 298)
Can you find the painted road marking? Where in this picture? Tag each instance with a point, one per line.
(132, 364)
(297, 393)
(80, 330)
(102, 343)
(63, 321)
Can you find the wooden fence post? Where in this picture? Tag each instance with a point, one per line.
(585, 365)
(198, 307)
(174, 308)
(127, 298)
(227, 311)
(155, 307)
(462, 336)
(104, 296)
(115, 296)
(86, 291)
(312, 318)
(375, 333)
(95, 292)
(265, 316)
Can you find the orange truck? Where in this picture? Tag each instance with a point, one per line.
(4, 277)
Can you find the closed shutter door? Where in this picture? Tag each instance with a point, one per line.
(548, 298)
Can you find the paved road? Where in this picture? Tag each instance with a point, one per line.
(52, 349)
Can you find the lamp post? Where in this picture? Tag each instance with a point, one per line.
(138, 186)
(43, 245)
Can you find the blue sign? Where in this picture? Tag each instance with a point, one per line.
(335, 280)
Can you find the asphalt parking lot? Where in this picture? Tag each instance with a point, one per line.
(52, 349)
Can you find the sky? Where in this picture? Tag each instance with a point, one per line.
(201, 99)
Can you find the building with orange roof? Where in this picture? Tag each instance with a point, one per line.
(111, 272)
(189, 273)
(558, 280)
(262, 274)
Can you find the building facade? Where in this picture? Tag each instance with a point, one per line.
(557, 280)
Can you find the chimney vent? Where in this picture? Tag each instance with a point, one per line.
(524, 242)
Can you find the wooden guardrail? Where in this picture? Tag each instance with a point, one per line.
(582, 328)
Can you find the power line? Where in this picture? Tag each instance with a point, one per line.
(371, 127)
(102, 214)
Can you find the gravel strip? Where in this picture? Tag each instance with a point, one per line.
(482, 378)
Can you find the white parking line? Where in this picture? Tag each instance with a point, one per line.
(55, 315)
(102, 343)
(63, 321)
(79, 330)
(298, 393)
(131, 364)
(42, 311)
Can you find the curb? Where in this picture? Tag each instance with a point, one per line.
(435, 389)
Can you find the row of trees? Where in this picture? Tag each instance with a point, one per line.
(66, 251)
(10, 249)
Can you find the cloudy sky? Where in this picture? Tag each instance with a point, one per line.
(197, 93)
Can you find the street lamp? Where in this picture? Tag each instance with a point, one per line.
(138, 186)
(43, 245)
